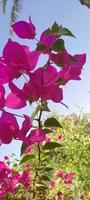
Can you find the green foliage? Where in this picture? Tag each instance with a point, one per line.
(51, 145)
(27, 158)
(41, 47)
(71, 153)
(75, 153)
(15, 8)
(59, 30)
(23, 148)
(58, 45)
(4, 3)
(52, 122)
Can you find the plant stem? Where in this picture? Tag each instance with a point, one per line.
(39, 154)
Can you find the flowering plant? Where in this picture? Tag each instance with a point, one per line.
(40, 85)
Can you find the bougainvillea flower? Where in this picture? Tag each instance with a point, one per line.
(8, 127)
(59, 136)
(60, 173)
(17, 98)
(28, 150)
(15, 101)
(25, 30)
(4, 171)
(2, 98)
(73, 70)
(68, 175)
(36, 135)
(68, 182)
(26, 125)
(41, 85)
(61, 58)
(77, 67)
(1, 194)
(17, 59)
(53, 184)
(43, 82)
(4, 72)
(47, 41)
(48, 139)
(25, 178)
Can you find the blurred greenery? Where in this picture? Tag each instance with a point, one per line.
(70, 153)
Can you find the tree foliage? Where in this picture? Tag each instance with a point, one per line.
(15, 9)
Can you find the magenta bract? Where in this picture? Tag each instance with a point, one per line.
(8, 128)
(17, 59)
(2, 98)
(25, 30)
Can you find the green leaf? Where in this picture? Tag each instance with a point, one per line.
(27, 158)
(41, 188)
(23, 148)
(48, 168)
(51, 145)
(46, 178)
(4, 3)
(48, 32)
(55, 27)
(58, 45)
(46, 130)
(16, 7)
(52, 122)
(65, 31)
(41, 47)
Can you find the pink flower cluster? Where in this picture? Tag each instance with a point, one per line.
(58, 196)
(43, 83)
(67, 178)
(11, 180)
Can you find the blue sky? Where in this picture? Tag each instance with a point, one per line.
(72, 15)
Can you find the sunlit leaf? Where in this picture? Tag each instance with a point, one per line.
(27, 158)
(23, 148)
(52, 122)
(51, 145)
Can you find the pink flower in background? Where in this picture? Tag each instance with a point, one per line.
(60, 173)
(1, 194)
(6, 158)
(68, 175)
(59, 136)
(48, 139)
(4, 171)
(28, 150)
(25, 178)
(25, 30)
(53, 184)
(68, 182)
